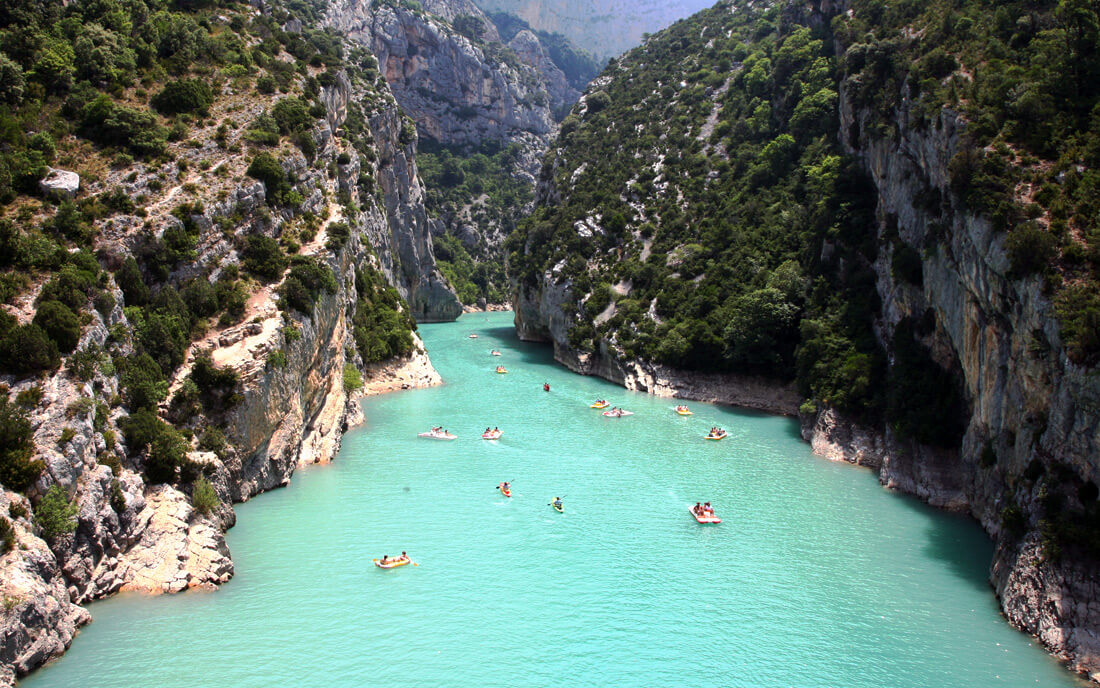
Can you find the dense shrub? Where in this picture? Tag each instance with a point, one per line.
(203, 497)
(264, 257)
(131, 283)
(307, 279)
(110, 124)
(185, 95)
(18, 467)
(217, 387)
(55, 513)
(381, 326)
(60, 324)
(1078, 310)
(267, 169)
(142, 382)
(353, 380)
(165, 446)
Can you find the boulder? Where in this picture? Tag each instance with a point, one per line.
(60, 184)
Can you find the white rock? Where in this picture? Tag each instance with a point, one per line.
(61, 184)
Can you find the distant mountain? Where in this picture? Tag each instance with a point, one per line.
(605, 28)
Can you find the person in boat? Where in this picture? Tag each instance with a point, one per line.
(546, 386)
(385, 558)
(708, 509)
(496, 429)
(403, 557)
(698, 508)
(505, 487)
(557, 502)
(486, 431)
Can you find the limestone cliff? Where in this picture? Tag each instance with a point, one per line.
(1032, 419)
(451, 73)
(360, 189)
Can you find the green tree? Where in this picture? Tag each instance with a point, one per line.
(55, 513)
(18, 468)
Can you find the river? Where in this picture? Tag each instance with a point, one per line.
(817, 577)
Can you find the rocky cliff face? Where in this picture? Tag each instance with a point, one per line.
(605, 28)
(1030, 451)
(1029, 402)
(451, 73)
(289, 366)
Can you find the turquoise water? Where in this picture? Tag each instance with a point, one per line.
(817, 577)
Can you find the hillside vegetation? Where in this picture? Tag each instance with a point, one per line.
(164, 108)
(709, 218)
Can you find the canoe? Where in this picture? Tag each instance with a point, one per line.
(723, 436)
(684, 412)
(473, 336)
(598, 405)
(560, 508)
(437, 436)
(501, 370)
(504, 491)
(392, 563)
(704, 519)
(617, 414)
(495, 353)
(492, 435)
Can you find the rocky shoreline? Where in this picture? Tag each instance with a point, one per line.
(1036, 595)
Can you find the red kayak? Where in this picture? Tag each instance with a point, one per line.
(504, 490)
(704, 518)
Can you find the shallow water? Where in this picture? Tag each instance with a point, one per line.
(817, 577)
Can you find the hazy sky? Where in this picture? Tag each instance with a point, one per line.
(603, 27)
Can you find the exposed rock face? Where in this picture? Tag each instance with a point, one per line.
(1033, 412)
(134, 536)
(1029, 402)
(604, 28)
(60, 184)
(460, 89)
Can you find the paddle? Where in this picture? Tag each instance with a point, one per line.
(552, 504)
(509, 483)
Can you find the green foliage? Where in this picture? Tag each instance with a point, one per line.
(307, 279)
(704, 176)
(55, 513)
(184, 95)
(353, 380)
(142, 382)
(60, 324)
(18, 467)
(267, 169)
(7, 536)
(129, 280)
(203, 497)
(264, 257)
(217, 387)
(381, 326)
(1078, 309)
(165, 447)
(1030, 250)
(111, 124)
(292, 115)
(478, 184)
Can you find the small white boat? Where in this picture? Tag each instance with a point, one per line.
(494, 352)
(473, 336)
(434, 435)
(492, 435)
(618, 413)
